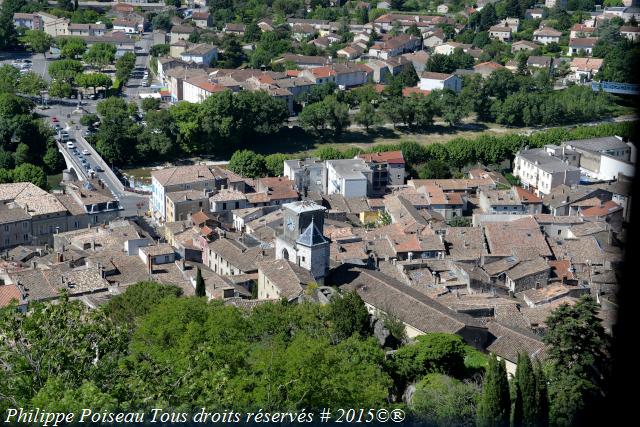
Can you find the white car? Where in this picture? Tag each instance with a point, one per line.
(86, 152)
(70, 145)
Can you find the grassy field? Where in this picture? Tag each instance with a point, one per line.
(54, 181)
(295, 141)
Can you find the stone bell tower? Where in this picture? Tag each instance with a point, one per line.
(302, 241)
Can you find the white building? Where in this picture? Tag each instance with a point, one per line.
(201, 54)
(542, 169)
(348, 177)
(550, 4)
(308, 175)
(302, 241)
(197, 89)
(163, 181)
(448, 48)
(431, 81)
(158, 254)
(631, 33)
(582, 45)
(546, 35)
(603, 159)
(500, 32)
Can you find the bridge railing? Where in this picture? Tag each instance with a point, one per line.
(100, 161)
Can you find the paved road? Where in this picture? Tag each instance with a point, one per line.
(133, 203)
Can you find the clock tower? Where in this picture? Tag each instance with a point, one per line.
(302, 241)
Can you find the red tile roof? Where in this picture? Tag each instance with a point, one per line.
(323, 72)
(561, 269)
(607, 208)
(527, 196)
(9, 293)
(408, 91)
(488, 64)
(393, 157)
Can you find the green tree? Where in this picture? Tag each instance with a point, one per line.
(488, 17)
(481, 39)
(494, 406)
(247, 163)
(65, 70)
(89, 119)
(100, 55)
(138, 300)
(440, 63)
(348, 316)
(32, 84)
(38, 41)
(233, 55)
(200, 288)
(21, 155)
(6, 160)
(27, 172)
(71, 47)
(314, 117)
(73, 343)
(525, 405)
(275, 163)
(459, 221)
(450, 107)
(56, 396)
(9, 77)
(578, 362)
(158, 50)
(435, 352)
(328, 153)
(367, 116)
(435, 169)
(124, 66)
(150, 104)
(338, 115)
(116, 137)
(161, 21)
(252, 32)
(53, 160)
(440, 400)
(8, 33)
(93, 80)
(60, 89)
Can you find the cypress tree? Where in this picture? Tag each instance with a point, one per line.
(542, 397)
(200, 289)
(525, 406)
(516, 413)
(494, 406)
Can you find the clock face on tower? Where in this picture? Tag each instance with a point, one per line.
(290, 224)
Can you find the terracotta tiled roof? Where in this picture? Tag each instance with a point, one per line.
(323, 72)
(9, 293)
(393, 157)
(605, 209)
(408, 91)
(527, 196)
(583, 42)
